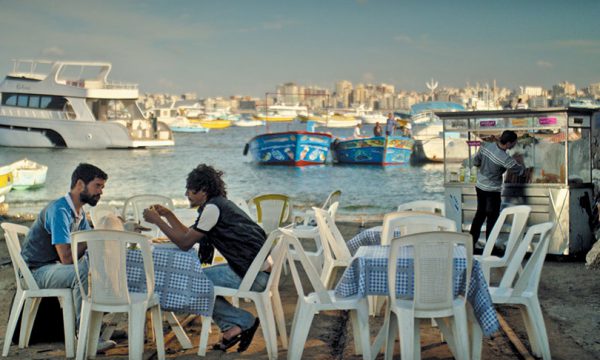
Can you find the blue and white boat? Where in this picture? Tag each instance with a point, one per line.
(294, 148)
(377, 150)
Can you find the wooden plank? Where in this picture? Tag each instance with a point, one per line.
(514, 339)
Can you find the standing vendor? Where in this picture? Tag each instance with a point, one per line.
(492, 161)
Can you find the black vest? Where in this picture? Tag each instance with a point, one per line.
(237, 237)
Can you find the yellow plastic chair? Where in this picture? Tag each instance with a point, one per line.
(272, 210)
(29, 295)
(108, 291)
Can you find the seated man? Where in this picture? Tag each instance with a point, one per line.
(47, 248)
(230, 230)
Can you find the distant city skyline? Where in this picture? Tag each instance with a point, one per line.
(222, 48)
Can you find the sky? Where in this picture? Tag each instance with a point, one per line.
(248, 47)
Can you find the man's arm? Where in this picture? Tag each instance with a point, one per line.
(180, 235)
(58, 225)
(65, 254)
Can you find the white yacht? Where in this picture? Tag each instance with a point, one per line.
(67, 104)
(427, 129)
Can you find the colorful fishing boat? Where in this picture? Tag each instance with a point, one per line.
(378, 150)
(6, 181)
(295, 148)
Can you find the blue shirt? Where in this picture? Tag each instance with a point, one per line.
(389, 126)
(53, 226)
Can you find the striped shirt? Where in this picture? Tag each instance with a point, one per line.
(492, 162)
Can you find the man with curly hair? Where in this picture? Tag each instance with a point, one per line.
(223, 225)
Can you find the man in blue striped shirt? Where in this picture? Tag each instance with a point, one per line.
(492, 161)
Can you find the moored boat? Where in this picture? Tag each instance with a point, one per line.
(6, 181)
(57, 109)
(377, 150)
(28, 174)
(295, 148)
(213, 123)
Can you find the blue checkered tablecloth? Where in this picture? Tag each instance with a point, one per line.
(366, 237)
(179, 280)
(367, 275)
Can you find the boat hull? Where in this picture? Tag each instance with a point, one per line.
(378, 150)
(48, 133)
(292, 148)
(6, 181)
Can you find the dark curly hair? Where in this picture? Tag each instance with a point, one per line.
(87, 173)
(208, 179)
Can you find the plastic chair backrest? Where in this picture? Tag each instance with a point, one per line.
(272, 246)
(99, 211)
(435, 207)
(313, 276)
(408, 223)
(242, 204)
(334, 245)
(520, 215)
(134, 206)
(333, 197)
(107, 252)
(433, 267)
(272, 210)
(24, 278)
(528, 279)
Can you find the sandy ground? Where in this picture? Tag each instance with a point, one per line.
(569, 294)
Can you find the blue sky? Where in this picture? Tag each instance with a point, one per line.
(247, 47)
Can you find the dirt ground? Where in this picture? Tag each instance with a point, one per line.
(569, 294)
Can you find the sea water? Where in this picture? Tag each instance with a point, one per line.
(365, 189)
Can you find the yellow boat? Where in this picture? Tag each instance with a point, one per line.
(212, 124)
(274, 118)
(6, 181)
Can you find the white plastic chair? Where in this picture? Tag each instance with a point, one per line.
(272, 210)
(409, 223)
(335, 250)
(333, 197)
(520, 215)
(435, 207)
(134, 206)
(29, 295)
(525, 289)
(322, 300)
(242, 204)
(268, 301)
(108, 291)
(99, 211)
(307, 231)
(433, 292)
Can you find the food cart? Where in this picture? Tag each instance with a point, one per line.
(555, 144)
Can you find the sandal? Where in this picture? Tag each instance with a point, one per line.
(247, 336)
(227, 343)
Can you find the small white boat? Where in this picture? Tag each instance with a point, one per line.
(184, 125)
(28, 174)
(248, 123)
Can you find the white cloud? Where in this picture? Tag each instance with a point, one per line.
(544, 64)
(402, 38)
(278, 24)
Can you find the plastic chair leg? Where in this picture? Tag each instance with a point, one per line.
(279, 317)
(15, 311)
(302, 322)
(461, 333)
(180, 334)
(391, 336)
(406, 328)
(535, 312)
(360, 329)
(69, 325)
(94, 333)
(158, 332)
(267, 323)
(203, 343)
(83, 330)
(137, 319)
(29, 313)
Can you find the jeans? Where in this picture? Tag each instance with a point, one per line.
(226, 315)
(488, 206)
(61, 276)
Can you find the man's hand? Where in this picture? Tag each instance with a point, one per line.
(161, 210)
(151, 215)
